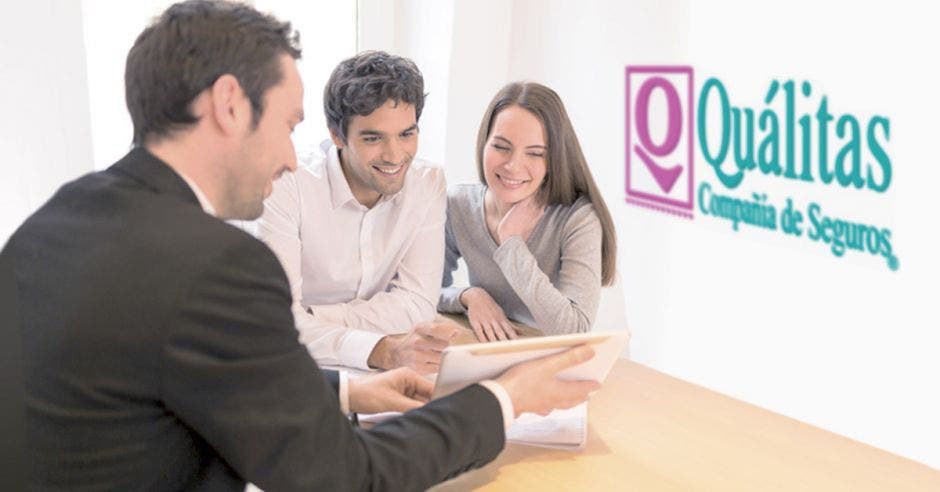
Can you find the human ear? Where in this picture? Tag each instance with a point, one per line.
(337, 141)
(230, 107)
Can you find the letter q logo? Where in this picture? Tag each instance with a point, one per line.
(659, 139)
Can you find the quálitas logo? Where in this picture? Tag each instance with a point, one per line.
(779, 143)
(660, 168)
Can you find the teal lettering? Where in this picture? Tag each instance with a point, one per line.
(756, 212)
(843, 235)
(853, 147)
(768, 154)
(893, 262)
(702, 190)
(813, 212)
(776, 158)
(823, 118)
(788, 89)
(807, 140)
(745, 159)
(716, 160)
(881, 157)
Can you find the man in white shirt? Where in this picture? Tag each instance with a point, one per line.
(359, 229)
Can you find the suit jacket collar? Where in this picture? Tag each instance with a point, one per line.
(148, 170)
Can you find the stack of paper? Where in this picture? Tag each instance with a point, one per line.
(561, 429)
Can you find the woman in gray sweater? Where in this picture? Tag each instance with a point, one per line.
(536, 235)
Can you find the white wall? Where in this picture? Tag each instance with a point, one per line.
(62, 87)
(420, 31)
(110, 29)
(842, 343)
(327, 34)
(479, 67)
(44, 132)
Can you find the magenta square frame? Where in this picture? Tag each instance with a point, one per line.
(656, 199)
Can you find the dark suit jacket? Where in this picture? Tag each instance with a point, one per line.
(160, 353)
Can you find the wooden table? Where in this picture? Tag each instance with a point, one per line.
(652, 432)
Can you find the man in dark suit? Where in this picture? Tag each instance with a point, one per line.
(158, 346)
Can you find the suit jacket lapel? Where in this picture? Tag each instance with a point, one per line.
(151, 172)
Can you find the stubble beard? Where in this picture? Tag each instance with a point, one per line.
(242, 201)
(387, 188)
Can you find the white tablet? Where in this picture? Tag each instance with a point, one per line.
(463, 365)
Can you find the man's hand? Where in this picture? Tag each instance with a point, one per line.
(419, 349)
(520, 220)
(398, 390)
(533, 387)
(487, 319)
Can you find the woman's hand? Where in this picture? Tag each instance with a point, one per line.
(520, 220)
(487, 319)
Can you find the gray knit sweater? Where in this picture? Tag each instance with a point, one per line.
(551, 282)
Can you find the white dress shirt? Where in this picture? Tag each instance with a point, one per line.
(356, 274)
(209, 209)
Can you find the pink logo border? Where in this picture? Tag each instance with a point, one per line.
(661, 203)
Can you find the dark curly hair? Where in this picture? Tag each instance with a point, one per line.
(363, 83)
(187, 48)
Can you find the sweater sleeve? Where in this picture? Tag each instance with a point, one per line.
(449, 301)
(571, 305)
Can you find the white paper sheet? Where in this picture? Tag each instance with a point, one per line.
(561, 429)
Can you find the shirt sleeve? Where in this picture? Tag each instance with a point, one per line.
(344, 392)
(279, 228)
(505, 402)
(334, 344)
(329, 341)
(571, 305)
(411, 296)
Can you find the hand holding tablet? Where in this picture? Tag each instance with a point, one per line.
(540, 374)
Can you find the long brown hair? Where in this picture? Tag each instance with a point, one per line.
(568, 175)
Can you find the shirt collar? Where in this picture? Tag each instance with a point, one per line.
(340, 193)
(203, 200)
